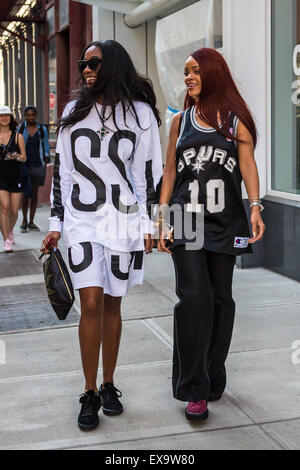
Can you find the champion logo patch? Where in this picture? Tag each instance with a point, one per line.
(241, 242)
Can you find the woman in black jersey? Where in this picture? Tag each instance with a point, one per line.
(210, 151)
(12, 153)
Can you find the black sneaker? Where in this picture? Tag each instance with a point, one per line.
(109, 395)
(24, 227)
(33, 227)
(88, 417)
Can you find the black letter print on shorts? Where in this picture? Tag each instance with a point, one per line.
(87, 258)
(137, 256)
(87, 172)
(114, 156)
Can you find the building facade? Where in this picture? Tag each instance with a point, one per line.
(260, 40)
(39, 55)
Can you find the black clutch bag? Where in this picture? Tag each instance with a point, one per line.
(58, 284)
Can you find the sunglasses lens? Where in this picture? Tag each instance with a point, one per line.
(82, 65)
(93, 63)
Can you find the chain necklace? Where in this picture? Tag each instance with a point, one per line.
(103, 131)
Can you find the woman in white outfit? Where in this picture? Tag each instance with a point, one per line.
(108, 164)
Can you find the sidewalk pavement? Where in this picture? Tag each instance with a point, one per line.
(41, 375)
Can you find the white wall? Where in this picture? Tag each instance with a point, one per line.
(246, 37)
(139, 42)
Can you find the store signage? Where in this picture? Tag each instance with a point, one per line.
(51, 101)
(296, 68)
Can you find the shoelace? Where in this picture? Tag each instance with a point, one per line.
(88, 403)
(112, 391)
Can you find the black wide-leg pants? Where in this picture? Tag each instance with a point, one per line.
(203, 322)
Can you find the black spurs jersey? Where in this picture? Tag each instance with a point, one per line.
(208, 181)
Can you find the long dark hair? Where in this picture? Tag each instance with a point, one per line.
(219, 93)
(13, 123)
(117, 80)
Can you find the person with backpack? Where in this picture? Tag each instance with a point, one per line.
(34, 171)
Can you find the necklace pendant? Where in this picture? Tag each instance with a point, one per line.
(102, 133)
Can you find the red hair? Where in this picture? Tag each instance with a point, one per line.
(219, 93)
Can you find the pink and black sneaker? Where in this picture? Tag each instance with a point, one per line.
(196, 410)
(11, 238)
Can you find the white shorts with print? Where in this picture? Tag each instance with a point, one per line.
(92, 264)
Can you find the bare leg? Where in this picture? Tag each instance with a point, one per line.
(91, 299)
(111, 335)
(33, 202)
(4, 213)
(14, 208)
(25, 203)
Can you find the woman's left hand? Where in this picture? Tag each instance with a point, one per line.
(148, 242)
(14, 156)
(258, 227)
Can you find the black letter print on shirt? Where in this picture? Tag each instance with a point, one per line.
(87, 258)
(113, 155)
(87, 172)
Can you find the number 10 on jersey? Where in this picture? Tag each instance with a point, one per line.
(215, 196)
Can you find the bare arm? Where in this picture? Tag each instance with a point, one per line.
(169, 174)
(20, 157)
(250, 176)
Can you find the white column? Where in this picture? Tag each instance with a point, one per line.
(245, 47)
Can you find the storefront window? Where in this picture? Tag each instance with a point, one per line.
(52, 88)
(179, 34)
(286, 96)
(51, 21)
(63, 13)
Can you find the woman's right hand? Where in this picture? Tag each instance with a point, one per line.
(55, 236)
(161, 245)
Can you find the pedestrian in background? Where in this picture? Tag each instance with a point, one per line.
(34, 171)
(12, 154)
(204, 170)
(108, 162)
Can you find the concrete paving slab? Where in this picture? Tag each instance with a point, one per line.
(159, 273)
(259, 287)
(275, 326)
(251, 324)
(241, 438)
(43, 413)
(144, 302)
(30, 240)
(23, 293)
(251, 287)
(19, 264)
(32, 315)
(265, 384)
(57, 351)
(286, 433)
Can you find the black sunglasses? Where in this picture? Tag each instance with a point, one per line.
(92, 63)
